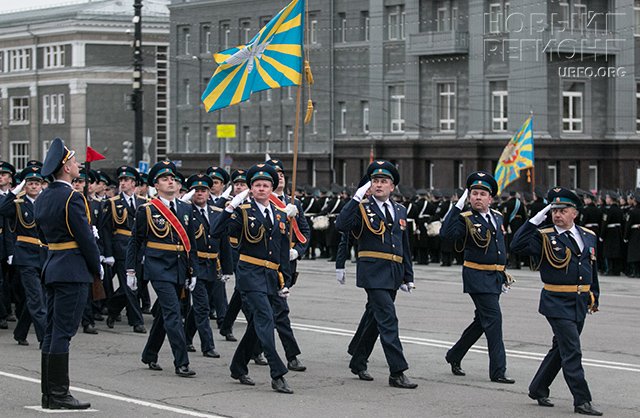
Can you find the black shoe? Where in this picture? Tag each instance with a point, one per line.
(213, 316)
(153, 365)
(280, 385)
(586, 409)
(58, 384)
(22, 342)
(260, 360)
(139, 329)
(504, 379)
(363, 375)
(542, 401)
(185, 371)
(229, 337)
(456, 369)
(89, 329)
(67, 402)
(146, 311)
(98, 317)
(296, 365)
(118, 318)
(11, 318)
(211, 354)
(244, 379)
(402, 382)
(191, 348)
(3, 324)
(104, 311)
(110, 321)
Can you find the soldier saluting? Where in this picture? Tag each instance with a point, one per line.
(73, 261)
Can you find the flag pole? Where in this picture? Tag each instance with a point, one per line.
(87, 165)
(533, 169)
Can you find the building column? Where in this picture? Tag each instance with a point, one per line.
(78, 117)
(412, 73)
(377, 106)
(476, 69)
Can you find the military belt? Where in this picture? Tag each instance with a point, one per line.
(635, 226)
(567, 288)
(613, 225)
(486, 267)
(233, 240)
(165, 247)
(60, 246)
(591, 225)
(30, 240)
(203, 254)
(259, 262)
(384, 256)
(124, 232)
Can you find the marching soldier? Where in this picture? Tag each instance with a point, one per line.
(515, 215)
(384, 266)
(565, 255)
(261, 231)
(483, 272)
(73, 262)
(7, 172)
(119, 218)
(220, 178)
(29, 252)
(611, 230)
(423, 209)
(632, 237)
(164, 236)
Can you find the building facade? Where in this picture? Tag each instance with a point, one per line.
(436, 86)
(67, 70)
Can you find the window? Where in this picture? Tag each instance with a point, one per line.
(267, 133)
(636, 13)
(572, 108)
(245, 31)
(19, 151)
(289, 93)
(396, 106)
(579, 15)
(247, 138)
(395, 23)
(342, 27)
(54, 56)
(431, 167)
(20, 59)
(313, 31)
(225, 34)
(19, 110)
(454, 18)
(289, 130)
(499, 96)
(186, 39)
(46, 108)
(187, 95)
(45, 147)
(573, 176)
(53, 108)
(205, 40)
(187, 139)
(495, 16)
(365, 23)
(442, 19)
(446, 107)
(593, 177)
(552, 175)
(268, 96)
(365, 116)
(343, 117)
(638, 107)
(208, 139)
(314, 122)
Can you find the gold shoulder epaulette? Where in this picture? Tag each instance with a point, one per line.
(22, 193)
(114, 198)
(145, 204)
(281, 209)
(363, 201)
(18, 201)
(497, 212)
(215, 208)
(547, 230)
(245, 206)
(145, 198)
(467, 213)
(587, 230)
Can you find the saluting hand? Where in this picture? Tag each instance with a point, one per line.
(540, 216)
(462, 199)
(237, 201)
(187, 196)
(225, 195)
(359, 194)
(19, 187)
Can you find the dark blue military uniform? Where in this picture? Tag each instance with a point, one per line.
(485, 257)
(167, 265)
(571, 289)
(6, 248)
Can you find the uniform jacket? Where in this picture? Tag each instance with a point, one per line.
(246, 225)
(118, 216)
(19, 213)
(223, 264)
(303, 225)
(162, 265)
(463, 227)
(611, 231)
(580, 270)
(365, 221)
(7, 238)
(61, 216)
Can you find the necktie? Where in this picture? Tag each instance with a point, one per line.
(131, 205)
(573, 242)
(387, 214)
(267, 219)
(173, 208)
(204, 216)
(489, 222)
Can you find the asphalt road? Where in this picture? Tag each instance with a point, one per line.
(106, 368)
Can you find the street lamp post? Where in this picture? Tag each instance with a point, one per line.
(136, 97)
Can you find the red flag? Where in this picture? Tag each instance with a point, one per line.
(371, 154)
(93, 155)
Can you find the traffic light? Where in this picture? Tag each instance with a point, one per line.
(127, 151)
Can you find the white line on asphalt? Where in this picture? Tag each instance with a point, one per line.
(477, 349)
(38, 408)
(120, 398)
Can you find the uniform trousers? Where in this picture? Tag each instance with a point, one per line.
(198, 317)
(65, 303)
(167, 322)
(218, 301)
(363, 341)
(488, 321)
(283, 326)
(565, 354)
(124, 296)
(260, 326)
(35, 309)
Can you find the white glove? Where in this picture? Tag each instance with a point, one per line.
(132, 283)
(505, 288)
(152, 191)
(95, 232)
(225, 195)
(540, 216)
(226, 277)
(237, 201)
(293, 254)
(417, 231)
(101, 272)
(407, 287)
(109, 261)
(192, 284)
(19, 187)
(359, 194)
(462, 200)
(341, 276)
(187, 196)
(10, 260)
(284, 292)
(102, 259)
(291, 210)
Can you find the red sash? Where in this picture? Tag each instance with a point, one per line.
(175, 223)
(294, 224)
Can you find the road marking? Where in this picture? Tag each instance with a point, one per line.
(38, 408)
(476, 348)
(134, 401)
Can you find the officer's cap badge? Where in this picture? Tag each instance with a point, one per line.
(481, 174)
(557, 189)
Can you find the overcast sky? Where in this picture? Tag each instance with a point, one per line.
(12, 5)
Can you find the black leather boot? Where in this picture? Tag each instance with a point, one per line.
(44, 377)
(58, 378)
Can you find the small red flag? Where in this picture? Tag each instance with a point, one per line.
(93, 155)
(371, 157)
